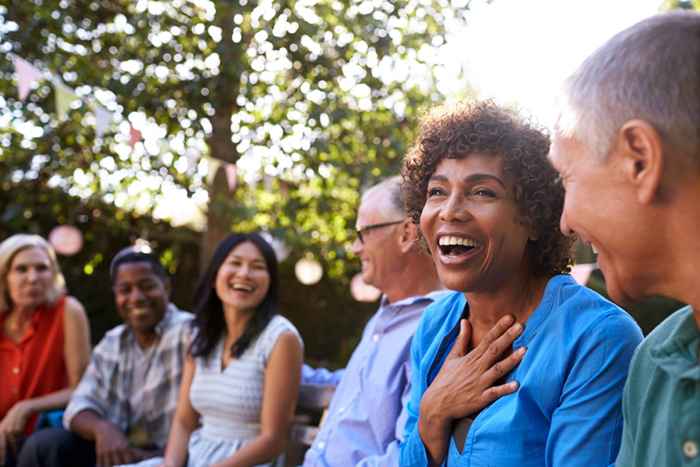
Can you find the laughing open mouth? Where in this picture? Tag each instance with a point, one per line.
(450, 245)
(242, 287)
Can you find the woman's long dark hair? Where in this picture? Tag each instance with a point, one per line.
(209, 319)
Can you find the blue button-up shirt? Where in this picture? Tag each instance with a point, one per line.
(366, 417)
(567, 410)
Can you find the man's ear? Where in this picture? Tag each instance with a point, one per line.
(409, 235)
(642, 158)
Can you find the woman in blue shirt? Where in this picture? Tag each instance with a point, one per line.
(521, 365)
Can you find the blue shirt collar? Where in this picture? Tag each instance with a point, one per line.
(432, 296)
(543, 310)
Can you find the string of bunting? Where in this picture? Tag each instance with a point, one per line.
(29, 75)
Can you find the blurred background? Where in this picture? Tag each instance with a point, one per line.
(172, 123)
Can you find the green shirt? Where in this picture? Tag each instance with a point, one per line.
(661, 402)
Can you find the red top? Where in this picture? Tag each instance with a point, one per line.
(34, 366)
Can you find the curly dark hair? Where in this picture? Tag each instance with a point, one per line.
(484, 127)
(209, 321)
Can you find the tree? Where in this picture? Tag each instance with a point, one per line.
(680, 5)
(312, 99)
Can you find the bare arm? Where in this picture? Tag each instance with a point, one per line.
(111, 445)
(77, 341)
(184, 422)
(76, 354)
(281, 389)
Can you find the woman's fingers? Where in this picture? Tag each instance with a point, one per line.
(2, 448)
(459, 349)
(502, 342)
(11, 443)
(501, 327)
(494, 392)
(503, 367)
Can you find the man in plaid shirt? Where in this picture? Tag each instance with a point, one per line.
(122, 408)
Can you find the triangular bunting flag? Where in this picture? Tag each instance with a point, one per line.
(192, 156)
(231, 172)
(64, 97)
(27, 75)
(134, 136)
(213, 167)
(103, 118)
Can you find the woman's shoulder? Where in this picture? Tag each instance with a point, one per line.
(569, 294)
(73, 309)
(279, 325)
(66, 311)
(586, 308)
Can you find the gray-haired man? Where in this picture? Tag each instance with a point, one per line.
(628, 149)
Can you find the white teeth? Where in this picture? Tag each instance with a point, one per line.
(139, 311)
(450, 240)
(595, 250)
(245, 288)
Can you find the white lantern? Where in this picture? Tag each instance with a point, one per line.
(362, 291)
(308, 271)
(66, 240)
(143, 246)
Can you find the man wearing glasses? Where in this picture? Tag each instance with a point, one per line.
(364, 423)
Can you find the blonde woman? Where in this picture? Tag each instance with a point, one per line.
(44, 338)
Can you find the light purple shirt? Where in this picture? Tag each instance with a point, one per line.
(366, 417)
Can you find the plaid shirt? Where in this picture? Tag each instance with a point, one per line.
(108, 382)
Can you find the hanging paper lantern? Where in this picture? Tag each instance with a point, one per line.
(143, 246)
(362, 291)
(308, 271)
(66, 240)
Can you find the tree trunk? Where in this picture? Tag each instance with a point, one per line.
(223, 98)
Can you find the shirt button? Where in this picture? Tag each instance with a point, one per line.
(321, 445)
(15, 370)
(375, 337)
(690, 449)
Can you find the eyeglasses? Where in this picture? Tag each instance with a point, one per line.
(361, 232)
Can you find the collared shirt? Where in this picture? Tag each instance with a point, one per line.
(366, 416)
(661, 403)
(567, 409)
(110, 380)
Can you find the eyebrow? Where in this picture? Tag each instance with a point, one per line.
(243, 258)
(31, 263)
(473, 178)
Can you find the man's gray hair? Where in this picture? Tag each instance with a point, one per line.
(392, 185)
(650, 71)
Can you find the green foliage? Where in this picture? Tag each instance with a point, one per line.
(319, 98)
(325, 314)
(680, 5)
(29, 208)
(314, 100)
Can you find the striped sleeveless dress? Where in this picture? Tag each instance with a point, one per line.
(229, 400)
